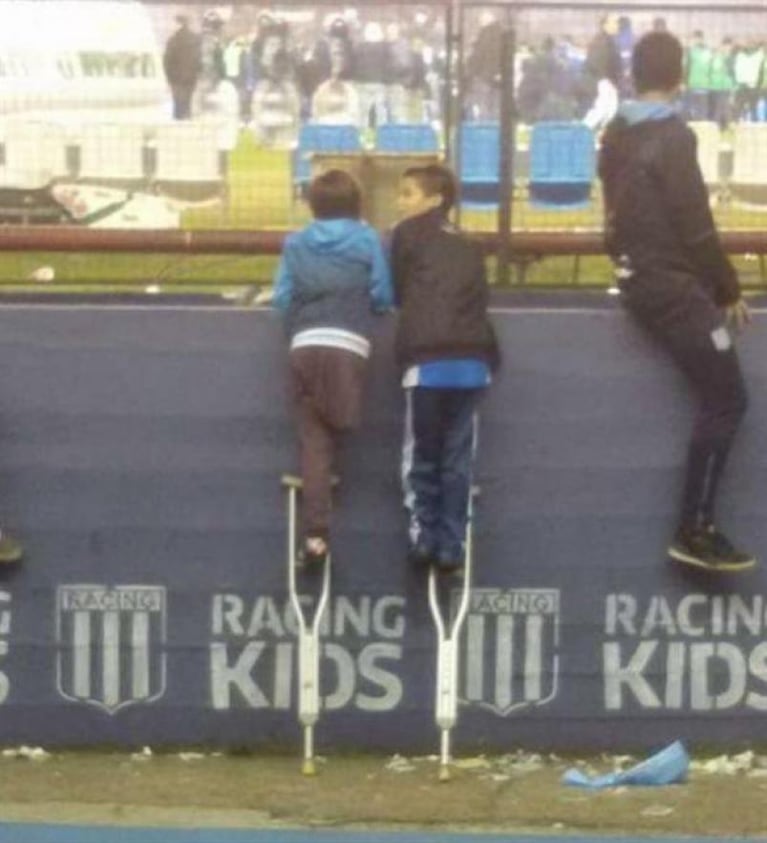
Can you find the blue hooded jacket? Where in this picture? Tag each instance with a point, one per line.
(333, 274)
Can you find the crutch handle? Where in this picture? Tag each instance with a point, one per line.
(293, 481)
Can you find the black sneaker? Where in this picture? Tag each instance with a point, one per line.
(451, 563)
(422, 553)
(706, 547)
(10, 549)
(451, 567)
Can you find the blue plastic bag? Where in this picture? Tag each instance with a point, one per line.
(669, 766)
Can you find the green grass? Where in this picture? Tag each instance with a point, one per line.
(260, 197)
(121, 271)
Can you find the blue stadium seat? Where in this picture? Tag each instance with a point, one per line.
(406, 137)
(562, 165)
(320, 137)
(480, 153)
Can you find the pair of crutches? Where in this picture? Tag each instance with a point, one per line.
(448, 639)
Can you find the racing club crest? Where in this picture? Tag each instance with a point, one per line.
(512, 644)
(111, 644)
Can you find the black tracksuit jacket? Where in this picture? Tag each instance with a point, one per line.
(658, 224)
(441, 290)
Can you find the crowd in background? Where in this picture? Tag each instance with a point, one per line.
(350, 72)
(363, 71)
(726, 80)
(561, 79)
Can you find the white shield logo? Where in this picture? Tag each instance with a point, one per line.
(111, 644)
(512, 643)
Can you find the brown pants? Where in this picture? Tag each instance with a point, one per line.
(327, 390)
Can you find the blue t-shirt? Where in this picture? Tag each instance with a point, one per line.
(462, 373)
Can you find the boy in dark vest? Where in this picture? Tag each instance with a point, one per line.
(446, 348)
(676, 281)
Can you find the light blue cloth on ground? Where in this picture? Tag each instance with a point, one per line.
(669, 766)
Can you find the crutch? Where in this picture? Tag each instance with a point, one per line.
(308, 633)
(448, 640)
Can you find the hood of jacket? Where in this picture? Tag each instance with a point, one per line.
(338, 237)
(644, 111)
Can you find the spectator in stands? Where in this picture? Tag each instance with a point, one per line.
(308, 76)
(272, 42)
(339, 41)
(212, 48)
(523, 57)
(625, 40)
(238, 69)
(698, 77)
(276, 104)
(407, 78)
(722, 83)
(446, 348)
(483, 69)
(747, 70)
(602, 70)
(182, 62)
(435, 69)
(572, 56)
(332, 278)
(373, 73)
(271, 36)
(330, 56)
(336, 99)
(212, 71)
(425, 91)
(544, 92)
(572, 53)
(676, 281)
(530, 84)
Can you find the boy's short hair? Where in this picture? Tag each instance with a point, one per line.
(435, 180)
(657, 62)
(335, 194)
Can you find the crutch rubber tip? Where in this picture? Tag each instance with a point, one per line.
(308, 768)
(444, 773)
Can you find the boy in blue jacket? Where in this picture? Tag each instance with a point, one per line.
(332, 278)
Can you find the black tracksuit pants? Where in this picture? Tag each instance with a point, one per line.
(691, 329)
